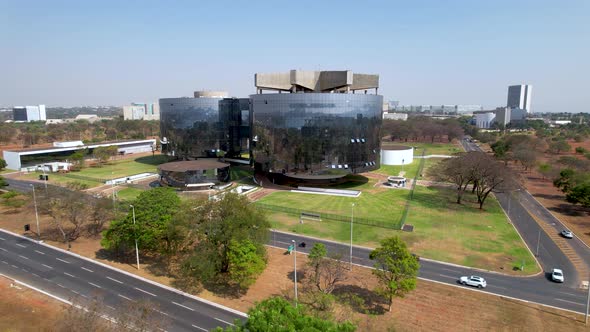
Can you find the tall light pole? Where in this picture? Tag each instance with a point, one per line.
(136, 249)
(36, 214)
(351, 223)
(113, 189)
(295, 265)
(538, 242)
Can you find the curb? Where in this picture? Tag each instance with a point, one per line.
(219, 306)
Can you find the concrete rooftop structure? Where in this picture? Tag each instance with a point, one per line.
(343, 81)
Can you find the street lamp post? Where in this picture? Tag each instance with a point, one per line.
(36, 213)
(351, 223)
(136, 248)
(295, 265)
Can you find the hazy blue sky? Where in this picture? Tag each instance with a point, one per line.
(426, 52)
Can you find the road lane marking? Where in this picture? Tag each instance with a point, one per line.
(40, 252)
(60, 285)
(198, 327)
(24, 270)
(21, 256)
(115, 280)
(494, 286)
(83, 268)
(3, 249)
(95, 285)
(59, 259)
(180, 305)
(47, 266)
(1, 238)
(20, 245)
(71, 275)
(163, 313)
(73, 291)
(446, 276)
(141, 290)
(5, 262)
(84, 296)
(125, 297)
(14, 266)
(221, 320)
(572, 302)
(111, 307)
(577, 295)
(36, 275)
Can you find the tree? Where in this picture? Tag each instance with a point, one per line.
(3, 164)
(559, 146)
(579, 149)
(104, 153)
(326, 272)
(154, 210)
(77, 158)
(395, 267)
(545, 170)
(13, 200)
(3, 182)
(69, 211)
(316, 255)
(579, 194)
(526, 154)
(277, 315)
(222, 227)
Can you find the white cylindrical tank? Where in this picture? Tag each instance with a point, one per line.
(397, 155)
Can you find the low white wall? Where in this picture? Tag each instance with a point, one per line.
(397, 157)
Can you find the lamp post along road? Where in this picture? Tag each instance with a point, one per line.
(295, 266)
(136, 248)
(351, 223)
(36, 213)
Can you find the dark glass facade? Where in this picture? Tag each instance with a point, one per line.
(234, 118)
(315, 135)
(191, 126)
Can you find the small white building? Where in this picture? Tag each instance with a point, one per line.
(29, 113)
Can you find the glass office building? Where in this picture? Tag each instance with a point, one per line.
(234, 119)
(190, 126)
(315, 136)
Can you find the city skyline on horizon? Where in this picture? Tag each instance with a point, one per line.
(427, 53)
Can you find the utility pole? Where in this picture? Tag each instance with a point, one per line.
(538, 241)
(351, 223)
(36, 213)
(136, 248)
(295, 265)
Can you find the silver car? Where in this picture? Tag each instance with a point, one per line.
(567, 234)
(474, 281)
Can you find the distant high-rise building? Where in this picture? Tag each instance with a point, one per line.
(519, 96)
(29, 113)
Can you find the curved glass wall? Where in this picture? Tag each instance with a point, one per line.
(182, 179)
(191, 126)
(316, 135)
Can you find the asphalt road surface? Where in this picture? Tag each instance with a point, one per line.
(69, 277)
(537, 289)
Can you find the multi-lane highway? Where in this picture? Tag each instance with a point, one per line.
(537, 289)
(69, 276)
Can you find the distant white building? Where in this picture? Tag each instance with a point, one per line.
(519, 96)
(29, 113)
(484, 120)
(395, 116)
(139, 111)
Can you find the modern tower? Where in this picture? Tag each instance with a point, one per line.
(519, 96)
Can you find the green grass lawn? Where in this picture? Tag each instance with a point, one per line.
(443, 230)
(377, 204)
(94, 176)
(431, 148)
(6, 170)
(128, 194)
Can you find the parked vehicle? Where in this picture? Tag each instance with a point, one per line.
(474, 281)
(567, 234)
(557, 275)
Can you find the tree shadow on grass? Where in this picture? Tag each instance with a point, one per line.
(360, 299)
(153, 160)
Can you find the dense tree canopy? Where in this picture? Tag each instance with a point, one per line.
(277, 315)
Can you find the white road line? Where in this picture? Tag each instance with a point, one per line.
(59, 259)
(83, 268)
(198, 327)
(221, 320)
(40, 252)
(562, 300)
(125, 297)
(577, 295)
(111, 307)
(115, 280)
(163, 313)
(21, 256)
(36, 275)
(60, 285)
(494, 286)
(141, 290)
(3, 249)
(446, 276)
(180, 305)
(5, 262)
(1, 238)
(70, 275)
(73, 291)
(95, 285)
(14, 266)
(47, 266)
(20, 245)
(24, 270)
(454, 271)
(84, 296)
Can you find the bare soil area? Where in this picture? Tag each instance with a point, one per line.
(431, 307)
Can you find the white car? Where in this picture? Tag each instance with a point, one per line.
(474, 281)
(567, 234)
(557, 275)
